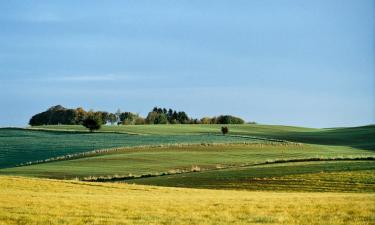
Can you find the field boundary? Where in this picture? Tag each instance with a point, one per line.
(81, 131)
(195, 169)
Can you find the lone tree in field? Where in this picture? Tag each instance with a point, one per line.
(92, 123)
(224, 130)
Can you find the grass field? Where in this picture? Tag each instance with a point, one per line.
(183, 129)
(347, 176)
(163, 159)
(357, 137)
(35, 201)
(20, 145)
(266, 175)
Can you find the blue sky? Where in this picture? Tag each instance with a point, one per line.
(307, 63)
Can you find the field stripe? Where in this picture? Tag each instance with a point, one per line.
(281, 161)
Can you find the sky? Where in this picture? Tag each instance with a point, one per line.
(304, 63)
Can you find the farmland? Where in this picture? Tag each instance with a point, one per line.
(98, 203)
(163, 159)
(347, 176)
(255, 170)
(357, 137)
(20, 145)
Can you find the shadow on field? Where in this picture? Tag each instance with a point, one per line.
(356, 137)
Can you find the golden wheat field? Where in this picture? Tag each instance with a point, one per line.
(43, 201)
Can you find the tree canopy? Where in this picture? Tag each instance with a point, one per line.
(60, 115)
(92, 122)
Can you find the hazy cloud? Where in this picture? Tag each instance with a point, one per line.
(89, 78)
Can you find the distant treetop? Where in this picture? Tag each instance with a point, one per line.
(60, 115)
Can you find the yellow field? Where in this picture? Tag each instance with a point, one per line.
(42, 201)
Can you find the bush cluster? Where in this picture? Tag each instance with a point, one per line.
(60, 115)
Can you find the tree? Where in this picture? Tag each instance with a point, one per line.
(224, 130)
(150, 119)
(195, 121)
(112, 118)
(206, 120)
(70, 117)
(161, 118)
(128, 118)
(39, 119)
(105, 117)
(174, 116)
(54, 115)
(155, 117)
(140, 121)
(80, 115)
(228, 119)
(170, 115)
(182, 117)
(92, 122)
(213, 120)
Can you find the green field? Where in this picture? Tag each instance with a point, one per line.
(187, 151)
(254, 166)
(357, 137)
(163, 159)
(20, 146)
(184, 129)
(347, 176)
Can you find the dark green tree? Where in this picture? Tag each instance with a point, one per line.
(161, 118)
(150, 119)
(92, 122)
(224, 130)
(228, 119)
(128, 118)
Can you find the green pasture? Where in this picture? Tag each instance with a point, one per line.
(221, 162)
(163, 159)
(20, 145)
(357, 137)
(337, 176)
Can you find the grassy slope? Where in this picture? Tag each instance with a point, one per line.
(358, 137)
(20, 146)
(184, 129)
(164, 159)
(343, 142)
(348, 176)
(34, 201)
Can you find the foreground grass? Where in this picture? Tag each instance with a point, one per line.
(38, 201)
(140, 161)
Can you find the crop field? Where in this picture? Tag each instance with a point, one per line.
(140, 161)
(187, 174)
(183, 129)
(19, 145)
(358, 137)
(347, 176)
(41, 201)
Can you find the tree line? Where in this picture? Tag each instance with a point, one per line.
(61, 115)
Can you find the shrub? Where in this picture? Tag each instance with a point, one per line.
(206, 120)
(140, 121)
(224, 130)
(92, 122)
